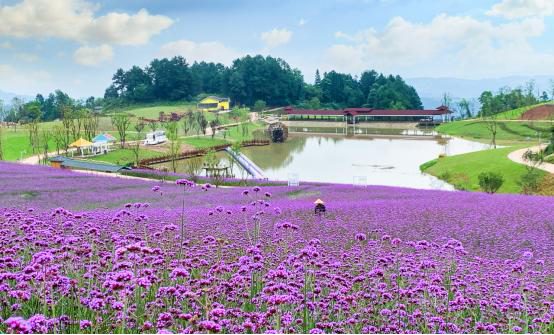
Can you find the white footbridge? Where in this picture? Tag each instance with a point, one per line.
(247, 164)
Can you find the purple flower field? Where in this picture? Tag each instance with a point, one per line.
(87, 254)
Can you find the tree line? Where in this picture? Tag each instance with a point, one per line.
(50, 108)
(508, 99)
(252, 80)
(78, 119)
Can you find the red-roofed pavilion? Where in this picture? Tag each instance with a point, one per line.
(355, 115)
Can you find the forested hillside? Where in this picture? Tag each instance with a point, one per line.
(257, 78)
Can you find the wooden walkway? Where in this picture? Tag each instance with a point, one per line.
(197, 152)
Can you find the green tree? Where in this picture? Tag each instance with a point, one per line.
(490, 182)
(30, 112)
(259, 106)
(492, 126)
(314, 103)
(172, 133)
(121, 122)
(317, 80)
(208, 77)
(139, 128)
(171, 78)
(466, 108)
(213, 126)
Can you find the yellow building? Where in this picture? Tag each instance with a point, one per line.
(213, 104)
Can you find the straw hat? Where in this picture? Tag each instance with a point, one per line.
(319, 201)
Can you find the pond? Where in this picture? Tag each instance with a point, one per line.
(377, 158)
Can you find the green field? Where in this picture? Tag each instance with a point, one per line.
(203, 141)
(462, 170)
(236, 133)
(153, 112)
(508, 132)
(124, 156)
(16, 144)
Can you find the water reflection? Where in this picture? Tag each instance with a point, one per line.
(390, 161)
(384, 158)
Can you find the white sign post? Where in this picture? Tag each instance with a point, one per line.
(293, 180)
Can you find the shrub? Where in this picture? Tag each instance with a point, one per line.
(427, 165)
(530, 182)
(260, 105)
(462, 182)
(490, 182)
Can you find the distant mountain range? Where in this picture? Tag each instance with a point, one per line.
(7, 97)
(431, 90)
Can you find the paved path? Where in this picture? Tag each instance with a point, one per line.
(517, 156)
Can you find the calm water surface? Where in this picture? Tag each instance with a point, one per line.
(390, 161)
(381, 158)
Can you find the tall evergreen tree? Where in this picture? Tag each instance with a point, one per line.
(317, 81)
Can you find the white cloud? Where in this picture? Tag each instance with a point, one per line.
(203, 51)
(302, 22)
(6, 70)
(513, 9)
(447, 46)
(276, 37)
(24, 81)
(6, 45)
(75, 20)
(92, 56)
(29, 58)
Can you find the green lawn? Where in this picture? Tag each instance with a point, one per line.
(236, 133)
(508, 132)
(124, 156)
(462, 170)
(152, 112)
(16, 142)
(204, 141)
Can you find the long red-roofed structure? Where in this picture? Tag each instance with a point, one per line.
(442, 110)
(365, 114)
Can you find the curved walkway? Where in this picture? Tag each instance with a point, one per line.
(517, 156)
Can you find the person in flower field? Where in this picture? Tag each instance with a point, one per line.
(319, 207)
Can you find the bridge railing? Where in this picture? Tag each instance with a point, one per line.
(197, 152)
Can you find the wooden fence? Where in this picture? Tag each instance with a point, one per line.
(197, 152)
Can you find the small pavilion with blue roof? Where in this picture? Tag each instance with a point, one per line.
(101, 143)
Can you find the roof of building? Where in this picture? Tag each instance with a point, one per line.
(369, 111)
(220, 99)
(80, 143)
(87, 165)
(104, 138)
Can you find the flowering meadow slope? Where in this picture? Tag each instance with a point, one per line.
(89, 254)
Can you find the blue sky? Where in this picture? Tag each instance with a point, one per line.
(76, 45)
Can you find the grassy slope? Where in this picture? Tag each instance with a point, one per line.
(515, 114)
(464, 169)
(153, 112)
(507, 132)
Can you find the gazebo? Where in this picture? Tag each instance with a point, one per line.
(101, 143)
(104, 137)
(81, 144)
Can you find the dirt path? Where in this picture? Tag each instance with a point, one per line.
(517, 156)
